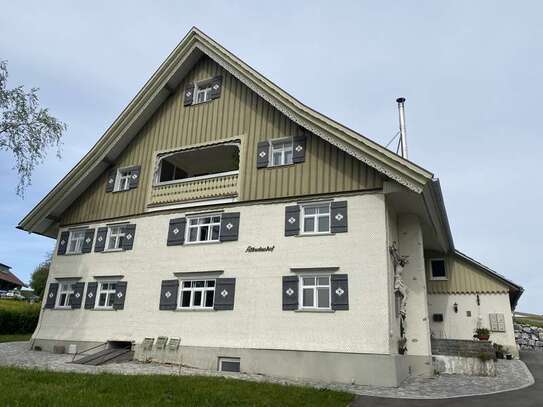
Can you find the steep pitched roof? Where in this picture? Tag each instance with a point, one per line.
(163, 82)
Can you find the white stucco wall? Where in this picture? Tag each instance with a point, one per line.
(257, 320)
(460, 326)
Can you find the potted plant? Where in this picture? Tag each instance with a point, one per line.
(482, 334)
(500, 351)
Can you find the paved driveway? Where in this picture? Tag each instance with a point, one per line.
(528, 397)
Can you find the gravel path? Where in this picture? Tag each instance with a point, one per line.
(511, 375)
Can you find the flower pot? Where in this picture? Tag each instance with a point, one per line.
(483, 337)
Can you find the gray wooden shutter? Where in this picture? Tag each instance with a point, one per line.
(340, 292)
(292, 220)
(262, 154)
(77, 298)
(176, 232)
(168, 294)
(63, 243)
(87, 242)
(338, 219)
(129, 235)
(188, 96)
(101, 236)
(290, 293)
(225, 289)
(51, 296)
(110, 182)
(216, 87)
(229, 226)
(120, 294)
(298, 149)
(90, 298)
(135, 177)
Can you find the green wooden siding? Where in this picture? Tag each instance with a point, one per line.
(238, 112)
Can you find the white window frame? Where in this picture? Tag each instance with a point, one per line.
(199, 227)
(438, 278)
(228, 359)
(122, 180)
(205, 90)
(116, 236)
(281, 146)
(78, 249)
(301, 287)
(315, 217)
(497, 322)
(65, 287)
(109, 293)
(192, 289)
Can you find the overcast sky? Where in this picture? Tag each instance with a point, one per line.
(471, 73)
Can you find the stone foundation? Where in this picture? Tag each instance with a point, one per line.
(529, 337)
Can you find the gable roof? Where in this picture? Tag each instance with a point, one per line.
(162, 83)
(6, 275)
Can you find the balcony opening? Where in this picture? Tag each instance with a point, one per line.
(198, 163)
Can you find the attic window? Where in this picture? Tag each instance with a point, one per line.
(198, 163)
(202, 93)
(437, 269)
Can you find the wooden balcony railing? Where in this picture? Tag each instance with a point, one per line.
(214, 186)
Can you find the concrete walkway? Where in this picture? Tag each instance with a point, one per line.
(531, 396)
(511, 375)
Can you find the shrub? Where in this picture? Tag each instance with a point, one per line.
(18, 317)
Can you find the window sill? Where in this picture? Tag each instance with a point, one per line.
(194, 310)
(315, 234)
(103, 309)
(112, 250)
(201, 103)
(317, 311)
(201, 243)
(73, 254)
(271, 167)
(438, 278)
(63, 308)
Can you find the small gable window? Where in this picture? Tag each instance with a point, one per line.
(203, 93)
(75, 242)
(122, 182)
(281, 152)
(437, 269)
(316, 218)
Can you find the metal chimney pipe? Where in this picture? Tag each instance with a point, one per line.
(403, 134)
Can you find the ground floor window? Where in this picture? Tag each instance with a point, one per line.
(204, 229)
(197, 294)
(106, 294)
(497, 322)
(315, 292)
(65, 294)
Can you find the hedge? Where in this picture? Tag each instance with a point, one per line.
(18, 317)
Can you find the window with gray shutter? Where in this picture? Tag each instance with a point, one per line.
(229, 226)
(51, 296)
(120, 294)
(340, 292)
(216, 87)
(298, 149)
(290, 293)
(225, 289)
(188, 96)
(168, 294)
(129, 235)
(87, 241)
(134, 176)
(90, 297)
(338, 219)
(110, 182)
(176, 232)
(77, 297)
(63, 243)
(101, 236)
(292, 220)
(262, 154)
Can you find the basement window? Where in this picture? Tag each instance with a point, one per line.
(198, 163)
(438, 269)
(437, 317)
(229, 365)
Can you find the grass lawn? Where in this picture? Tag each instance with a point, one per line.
(21, 387)
(15, 338)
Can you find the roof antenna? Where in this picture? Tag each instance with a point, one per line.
(403, 135)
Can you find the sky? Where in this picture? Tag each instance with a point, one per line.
(471, 72)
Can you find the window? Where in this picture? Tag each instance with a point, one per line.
(281, 152)
(437, 317)
(65, 293)
(438, 270)
(204, 229)
(106, 294)
(315, 292)
(115, 237)
(197, 294)
(497, 322)
(229, 365)
(316, 218)
(75, 241)
(203, 93)
(122, 181)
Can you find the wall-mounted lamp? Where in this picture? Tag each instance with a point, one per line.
(455, 307)
(478, 300)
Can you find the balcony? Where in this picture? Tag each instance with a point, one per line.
(197, 174)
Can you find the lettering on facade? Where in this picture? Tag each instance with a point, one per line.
(253, 249)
